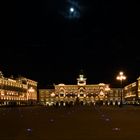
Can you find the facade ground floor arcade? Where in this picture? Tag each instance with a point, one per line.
(73, 102)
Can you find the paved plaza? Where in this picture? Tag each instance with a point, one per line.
(70, 123)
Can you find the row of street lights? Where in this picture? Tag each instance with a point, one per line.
(121, 77)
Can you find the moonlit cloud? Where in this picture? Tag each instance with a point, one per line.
(73, 10)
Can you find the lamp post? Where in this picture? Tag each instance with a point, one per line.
(121, 77)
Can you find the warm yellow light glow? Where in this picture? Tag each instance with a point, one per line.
(31, 90)
(121, 76)
(107, 88)
(101, 93)
(52, 95)
(121, 73)
(101, 84)
(129, 96)
(133, 84)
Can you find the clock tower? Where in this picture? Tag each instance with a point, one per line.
(81, 81)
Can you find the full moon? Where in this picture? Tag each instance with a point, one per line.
(71, 9)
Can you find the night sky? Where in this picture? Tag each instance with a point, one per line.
(53, 43)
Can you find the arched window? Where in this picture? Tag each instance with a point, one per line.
(61, 93)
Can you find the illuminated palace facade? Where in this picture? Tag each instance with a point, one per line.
(19, 91)
(132, 92)
(80, 94)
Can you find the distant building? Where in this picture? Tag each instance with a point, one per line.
(46, 96)
(19, 91)
(132, 92)
(138, 88)
(80, 94)
(114, 96)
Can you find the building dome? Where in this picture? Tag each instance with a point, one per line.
(61, 84)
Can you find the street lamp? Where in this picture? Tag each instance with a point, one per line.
(121, 77)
